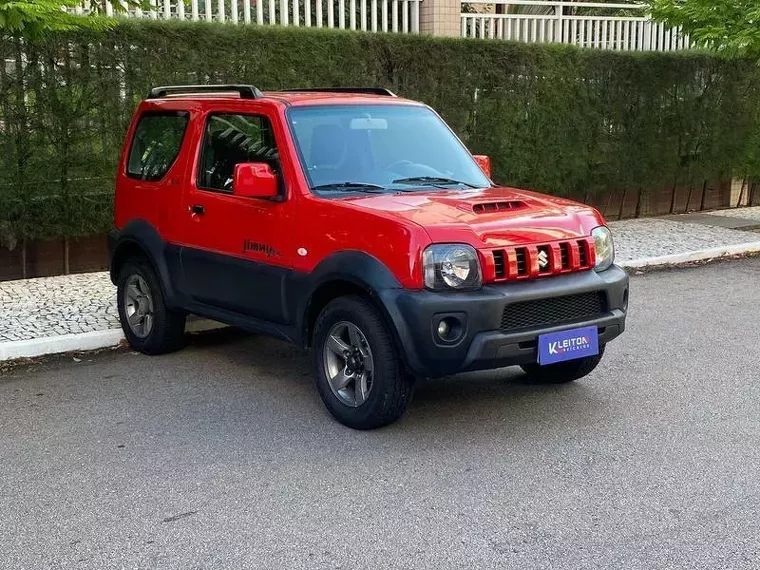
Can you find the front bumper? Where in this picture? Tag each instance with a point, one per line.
(485, 341)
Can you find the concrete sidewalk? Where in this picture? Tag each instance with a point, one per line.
(78, 312)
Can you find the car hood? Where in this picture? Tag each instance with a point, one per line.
(491, 217)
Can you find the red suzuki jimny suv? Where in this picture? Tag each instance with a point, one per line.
(355, 224)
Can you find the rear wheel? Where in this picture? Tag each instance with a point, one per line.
(564, 372)
(356, 366)
(149, 326)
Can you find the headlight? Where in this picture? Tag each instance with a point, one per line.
(605, 249)
(451, 267)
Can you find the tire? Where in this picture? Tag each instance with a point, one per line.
(563, 372)
(370, 399)
(166, 330)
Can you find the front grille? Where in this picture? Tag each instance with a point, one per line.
(553, 311)
(523, 261)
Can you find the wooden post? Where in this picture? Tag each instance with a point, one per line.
(66, 263)
(622, 204)
(638, 204)
(741, 193)
(704, 195)
(23, 259)
(688, 200)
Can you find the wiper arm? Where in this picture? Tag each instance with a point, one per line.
(433, 181)
(351, 187)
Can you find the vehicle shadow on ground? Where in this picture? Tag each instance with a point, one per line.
(477, 398)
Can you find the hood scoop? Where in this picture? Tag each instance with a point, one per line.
(490, 207)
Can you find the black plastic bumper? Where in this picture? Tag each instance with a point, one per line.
(484, 342)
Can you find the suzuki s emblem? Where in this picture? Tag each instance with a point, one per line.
(543, 259)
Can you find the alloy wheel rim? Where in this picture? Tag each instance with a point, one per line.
(138, 306)
(348, 364)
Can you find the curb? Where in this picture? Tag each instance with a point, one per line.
(693, 256)
(93, 340)
(55, 344)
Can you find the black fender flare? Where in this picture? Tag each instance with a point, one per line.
(141, 234)
(355, 267)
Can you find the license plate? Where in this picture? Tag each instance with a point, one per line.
(568, 345)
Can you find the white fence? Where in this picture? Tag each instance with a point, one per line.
(587, 24)
(583, 23)
(368, 15)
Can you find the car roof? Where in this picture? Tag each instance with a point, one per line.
(329, 97)
(298, 97)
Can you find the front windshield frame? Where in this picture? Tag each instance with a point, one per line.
(330, 194)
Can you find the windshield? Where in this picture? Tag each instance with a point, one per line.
(380, 148)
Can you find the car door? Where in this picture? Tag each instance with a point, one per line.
(154, 166)
(235, 249)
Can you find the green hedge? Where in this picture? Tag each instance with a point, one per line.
(554, 118)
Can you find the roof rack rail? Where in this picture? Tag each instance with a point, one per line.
(365, 90)
(245, 91)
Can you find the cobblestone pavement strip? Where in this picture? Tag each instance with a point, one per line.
(52, 306)
(652, 237)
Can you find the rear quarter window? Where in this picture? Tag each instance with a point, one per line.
(156, 145)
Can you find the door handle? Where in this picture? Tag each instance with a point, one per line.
(197, 210)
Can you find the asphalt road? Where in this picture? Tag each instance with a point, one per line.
(223, 457)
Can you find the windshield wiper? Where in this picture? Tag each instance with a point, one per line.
(433, 181)
(351, 187)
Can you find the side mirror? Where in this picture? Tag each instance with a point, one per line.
(484, 162)
(254, 180)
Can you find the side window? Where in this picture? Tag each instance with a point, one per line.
(230, 140)
(156, 145)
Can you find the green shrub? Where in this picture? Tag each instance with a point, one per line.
(553, 118)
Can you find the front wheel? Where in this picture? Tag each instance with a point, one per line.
(563, 372)
(356, 366)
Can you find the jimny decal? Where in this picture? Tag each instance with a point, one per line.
(256, 247)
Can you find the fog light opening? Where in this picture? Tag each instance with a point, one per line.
(449, 329)
(625, 300)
